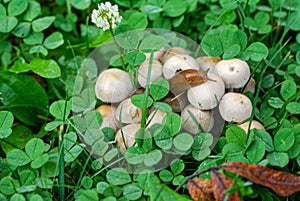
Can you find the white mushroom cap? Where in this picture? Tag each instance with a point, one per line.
(156, 72)
(108, 117)
(254, 125)
(206, 96)
(156, 55)
(204, 117)
(234, 72)
(129, 112)
(208, 63)
(250, 86)
(235, 107)
(155, 117)
(113, 85)
(129, 132)
(172, 51)
(178, 62)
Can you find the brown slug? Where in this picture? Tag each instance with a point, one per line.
(185, 79)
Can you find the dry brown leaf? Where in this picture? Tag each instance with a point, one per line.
(220, 184)
(201, 189)
(284, 184)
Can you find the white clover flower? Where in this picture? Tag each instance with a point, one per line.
(106, 16)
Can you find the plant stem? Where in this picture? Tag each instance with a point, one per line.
(69, 11)
(118, 48)
(61, 176)
(87, 42)
(61, 162)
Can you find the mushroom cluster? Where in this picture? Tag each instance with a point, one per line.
(197, 88)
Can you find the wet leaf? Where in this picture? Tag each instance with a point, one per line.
(282, 183)
(201, 189)
(220, 184)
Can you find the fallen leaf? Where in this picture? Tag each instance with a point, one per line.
(221, 183)
(284, 184)
(201, 189)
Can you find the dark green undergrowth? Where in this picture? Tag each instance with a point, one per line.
(51, 147)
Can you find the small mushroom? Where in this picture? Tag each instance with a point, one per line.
(129, 132)
(250, 87)
(204, 118)
(113, 85)
(208, 63)
(155, 117)
(172, 51)
(254, 125)
(235, 107)
(129, 112)
(178, 62)
(234, 72)
(156, 72)
(108, 117)
(156, 55)
(207, 95)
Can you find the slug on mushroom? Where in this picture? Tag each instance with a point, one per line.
(185, 79)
